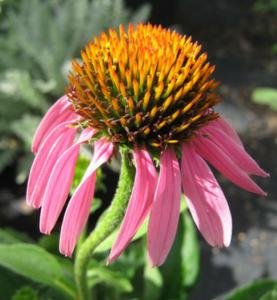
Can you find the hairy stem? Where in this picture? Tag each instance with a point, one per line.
(106, 225)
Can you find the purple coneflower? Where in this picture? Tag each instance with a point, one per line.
(149, 89)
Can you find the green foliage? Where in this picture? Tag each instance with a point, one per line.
(107, 243)
(263, 289)
(127, 272)
(265, 6)
(28, 270)
(191, 253)
(180, 271)
(35, 53)
(101, 274)
(81, 166)
(274, 48)
(270, 295)
(10, 283)
(49, 243)
(153, 282)
(121, 278)
(181, 268)
(10, 236)
(31, 262)
(35, 264)
(46, 40)
(26, 293)
(265, 95)
(19, 99)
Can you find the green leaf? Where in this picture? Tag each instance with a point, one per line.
(191, 253)
(265, 95)
(50, 243)
(181, 268)
(96, 204)
(265, 6)
(31, 262)
(107, 243)
(271, 295)
(10, 236)
(81, 166)
(7, 238)
(131, 260)
(153, 282)
(9, 283)
(34, 263)
(172, 268)
(252, 291)
(109, 277)
(51, 294)
(25, 293)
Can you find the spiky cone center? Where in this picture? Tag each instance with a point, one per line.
(145, 86)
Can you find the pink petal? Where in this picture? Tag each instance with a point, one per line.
(78, 209)
(221, 161)
(58, 185)
(165, 210)
(234, 151)
(60, 112)
(60, 138)
(86, 135)
(205, 199)
(139, 204)
(58, 188)
(224, 126)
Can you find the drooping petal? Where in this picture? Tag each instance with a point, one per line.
(223, 125)
(165, 209)
(234, 151)
(60, 138)
(221, 161)
(60, 112)
(139, 204)
(77, 212)
(57, 188)
(58, 185)
(205, 199)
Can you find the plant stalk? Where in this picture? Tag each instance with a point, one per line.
(106, 225)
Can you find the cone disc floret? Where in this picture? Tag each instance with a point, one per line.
(145, 86)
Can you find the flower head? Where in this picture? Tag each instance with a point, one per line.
(146, 87)
(152, 90)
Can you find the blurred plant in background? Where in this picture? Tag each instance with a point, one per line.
(38, 40)
(267, 7)
(265, 96)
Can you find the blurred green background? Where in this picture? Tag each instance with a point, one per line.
(38, 39)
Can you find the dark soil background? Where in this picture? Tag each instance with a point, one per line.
(239, 41)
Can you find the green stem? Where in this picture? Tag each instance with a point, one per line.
(106, 225)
